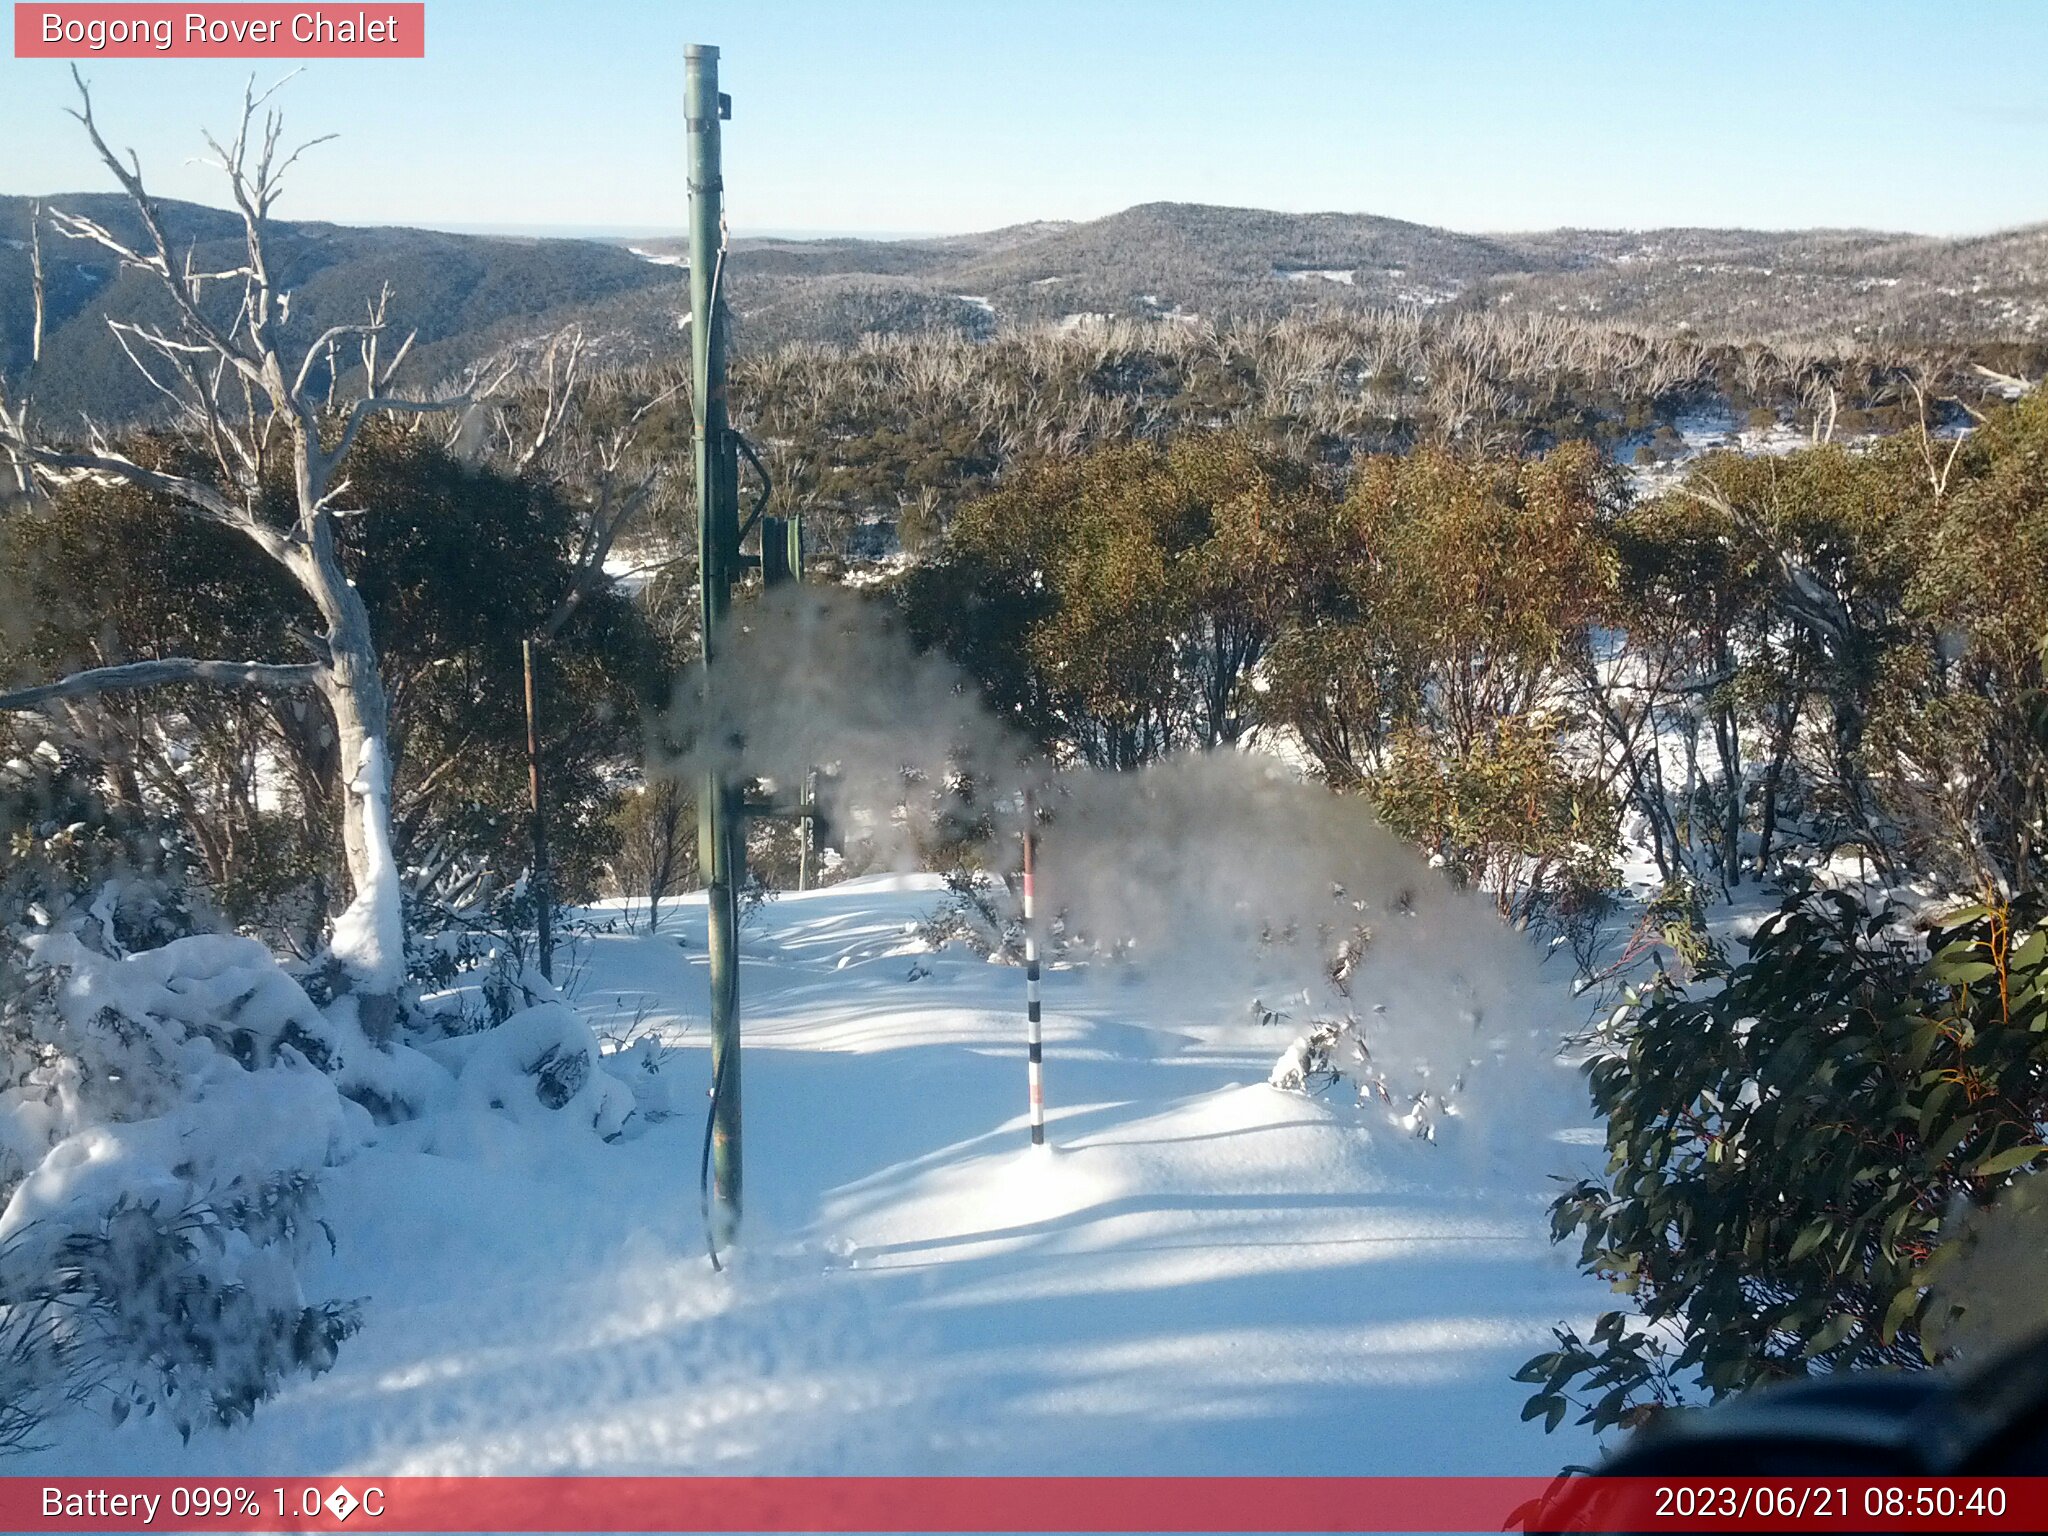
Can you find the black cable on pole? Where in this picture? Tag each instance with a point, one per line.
(704, 1165)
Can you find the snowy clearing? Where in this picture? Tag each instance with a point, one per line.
(631, 573)
(1205, 1274)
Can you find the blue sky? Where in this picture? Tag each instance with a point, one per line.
(890, 115)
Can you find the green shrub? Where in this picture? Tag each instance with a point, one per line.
(1508, 815)
(1784, 1152)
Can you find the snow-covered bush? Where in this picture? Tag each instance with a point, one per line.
(170, 1095)
(541, 1066)
(196, 1310)
(1342, 1029)
(471, 965)
(978, 912)
(71, 856)
(162, 1118)
(1333, 1051)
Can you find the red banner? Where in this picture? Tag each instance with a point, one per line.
(118, 31)
(1014, 1504)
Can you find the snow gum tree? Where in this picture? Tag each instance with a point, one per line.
(248, 412)
(1428, 644)
(1960, 727)
(457, 562)
(1118, 603)
(1864, 634)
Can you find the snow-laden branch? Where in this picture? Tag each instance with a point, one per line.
(273, 677)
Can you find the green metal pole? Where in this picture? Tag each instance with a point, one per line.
(720, 850)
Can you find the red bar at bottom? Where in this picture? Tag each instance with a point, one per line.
(1021, 1504)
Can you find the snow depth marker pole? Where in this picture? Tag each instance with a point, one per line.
(719, 849)
(1035, 1070)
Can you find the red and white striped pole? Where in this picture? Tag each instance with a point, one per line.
(1033, 1031)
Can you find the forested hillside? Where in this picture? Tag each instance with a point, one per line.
(1220, 264)
(463, 293)
(469, 295)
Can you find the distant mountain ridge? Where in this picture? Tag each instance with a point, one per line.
(1222, 263)
(468, 294)
(461, 292)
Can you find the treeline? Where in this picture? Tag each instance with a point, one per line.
(459, 564)
(1837, 289)
(1141, 540)
(894, 433)
(1828, 288)
(900, 429)
(1783, 659)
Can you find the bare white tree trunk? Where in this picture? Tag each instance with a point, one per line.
(238, 401)
(369, 938)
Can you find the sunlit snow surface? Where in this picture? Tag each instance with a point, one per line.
(1203, 1275)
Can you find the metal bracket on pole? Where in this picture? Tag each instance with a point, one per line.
(746, 450)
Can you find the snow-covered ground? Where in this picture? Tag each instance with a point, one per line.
(1702, 430)
(1203, 1274)
(630, 572)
